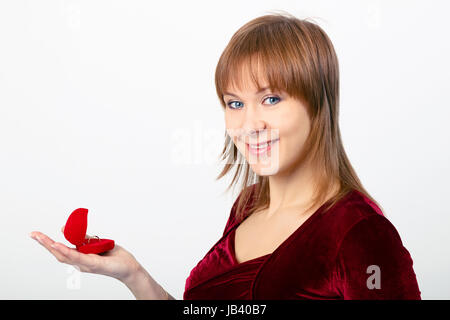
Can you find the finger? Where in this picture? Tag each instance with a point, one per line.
(86, 262)
(46, 242)
(64, 254)
(41, 238)
(62, 228)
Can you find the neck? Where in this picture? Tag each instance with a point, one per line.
(292, 190)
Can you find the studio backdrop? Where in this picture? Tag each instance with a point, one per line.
(111, 106)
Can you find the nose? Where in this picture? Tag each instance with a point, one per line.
(253, 134)
(250, 125)
(253, 121)
(254, 131)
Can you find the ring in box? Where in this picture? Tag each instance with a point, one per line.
(75, 233)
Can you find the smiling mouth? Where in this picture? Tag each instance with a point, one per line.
(260, 148)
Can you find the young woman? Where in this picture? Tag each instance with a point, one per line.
(303, 226)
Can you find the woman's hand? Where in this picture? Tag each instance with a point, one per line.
(117, 263)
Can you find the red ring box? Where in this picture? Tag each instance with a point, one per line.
(75, 233)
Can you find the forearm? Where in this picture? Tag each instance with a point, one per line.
(144, 287)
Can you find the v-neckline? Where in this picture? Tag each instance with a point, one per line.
(231, 241)
(231, 247)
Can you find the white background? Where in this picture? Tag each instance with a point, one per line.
(95, 94)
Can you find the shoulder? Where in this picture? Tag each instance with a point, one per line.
(372, 234)
(349, 212)
(364, 218)
(369, 248)
(372, 245)
(368, 234)
(356, 223)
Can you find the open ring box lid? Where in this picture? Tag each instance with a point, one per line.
(75, 233)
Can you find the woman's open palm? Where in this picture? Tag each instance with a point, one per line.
(117, 263)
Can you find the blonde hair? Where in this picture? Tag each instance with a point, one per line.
(297, 57)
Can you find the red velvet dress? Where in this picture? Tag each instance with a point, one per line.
(351, 251)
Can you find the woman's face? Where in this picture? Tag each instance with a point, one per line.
(253, 117)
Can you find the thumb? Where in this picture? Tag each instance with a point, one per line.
(62, 228)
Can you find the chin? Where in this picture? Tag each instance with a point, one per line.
(265, 169)
(266, 172)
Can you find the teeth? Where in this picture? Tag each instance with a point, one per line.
(262, 146)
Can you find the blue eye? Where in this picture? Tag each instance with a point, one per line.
(272, 97)
(229, 104)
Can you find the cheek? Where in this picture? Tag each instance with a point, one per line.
(295, 144)
(232, 127)
(293, 133)
(231, 120)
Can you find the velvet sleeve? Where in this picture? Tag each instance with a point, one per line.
(372, 263)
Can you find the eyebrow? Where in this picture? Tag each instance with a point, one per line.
(258, 92)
